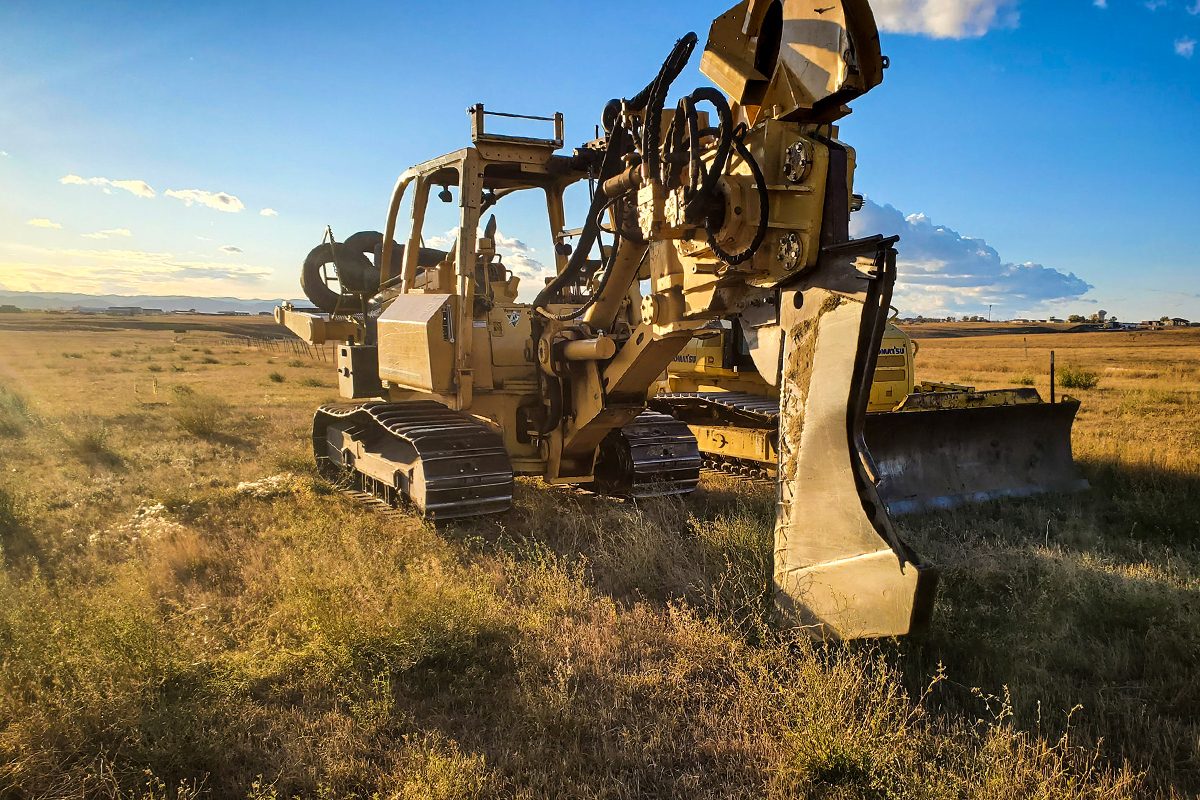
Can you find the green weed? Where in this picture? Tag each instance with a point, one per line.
(1077, 378)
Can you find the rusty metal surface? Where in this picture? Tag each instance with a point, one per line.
(942, 458)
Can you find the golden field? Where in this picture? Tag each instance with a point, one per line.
(187, 610)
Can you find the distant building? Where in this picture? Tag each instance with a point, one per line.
(1178, 322)
(1151, 324)
(124, 311)
(152, 312)
(9, 309)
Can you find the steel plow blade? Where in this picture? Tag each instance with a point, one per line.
(841, 571)
(941, 458)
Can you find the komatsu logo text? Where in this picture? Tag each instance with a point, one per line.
(685, 359)
(891, 351)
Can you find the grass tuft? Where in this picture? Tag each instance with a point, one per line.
(276, 377)
(1078, 378)
(199, 414)
(15, 416)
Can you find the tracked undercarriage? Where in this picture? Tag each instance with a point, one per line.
(448, 465)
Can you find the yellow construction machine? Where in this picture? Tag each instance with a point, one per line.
(934, 445)
(725, 202)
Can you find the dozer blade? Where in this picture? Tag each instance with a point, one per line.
(840, 569)
(940, 458)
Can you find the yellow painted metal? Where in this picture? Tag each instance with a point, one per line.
(417, 335)
(317, 328)
(794, 59)
(740, 444)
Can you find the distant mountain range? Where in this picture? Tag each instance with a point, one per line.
(68, 300)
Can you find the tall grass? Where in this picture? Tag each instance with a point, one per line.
(199, 414)
(15, 415)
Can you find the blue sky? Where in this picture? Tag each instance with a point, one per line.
(1037, 156)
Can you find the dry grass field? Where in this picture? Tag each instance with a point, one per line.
(187, 610)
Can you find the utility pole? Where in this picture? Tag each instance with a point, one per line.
(989, 312)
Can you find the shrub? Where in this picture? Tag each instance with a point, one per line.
(198, 414)
(155, 368)
(116, 353)
(1024, 380)
(276, 377)
(209, 360)
(1077, 378)
(72, 355)
(88, 438)
(313, 383)
(295, 362)
(177, 368)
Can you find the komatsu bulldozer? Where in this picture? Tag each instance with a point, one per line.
(935, 445)
(725, 202)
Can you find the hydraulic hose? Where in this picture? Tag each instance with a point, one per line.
(656, 98)
(764, 208)
(591, 228)
(725, 138)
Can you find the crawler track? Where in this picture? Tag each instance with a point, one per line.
(446, 464)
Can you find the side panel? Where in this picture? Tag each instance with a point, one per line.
(416, 342)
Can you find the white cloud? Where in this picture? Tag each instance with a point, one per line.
(1154, 5)
(1194, 8)
(139, 188)
(1185, 47)
(942, 272)
(270, 212)
(946, 19)
(1100, 3)
(218, 200)
(107, 233)
(516, 255)
(43, 223)
(228, 248)
(5, 152)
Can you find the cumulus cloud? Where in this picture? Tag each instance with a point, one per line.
(107, 233)
(139, 188)
(218, 200)
(946, 19)
(1185, 47)
(5, 152)
(518, 256)
(1194, 8)
(1100, 3)
(270, 212)
(43, 223)
(942, 272)
(228, 248)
